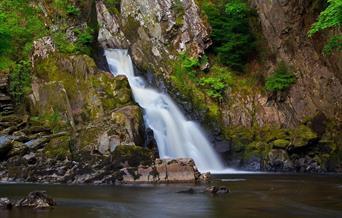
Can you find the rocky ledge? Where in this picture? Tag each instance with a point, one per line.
(164, 171)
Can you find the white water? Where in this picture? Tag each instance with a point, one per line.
(176, 137)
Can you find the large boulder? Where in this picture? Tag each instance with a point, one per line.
(181, 170)
(5, 145)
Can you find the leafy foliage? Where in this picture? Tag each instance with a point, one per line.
(73, 10)
(214, 86)
(334, 44)
(281, 79)
(233, 40)
(329, 18)
(20, 80)
(19, 26)
(82, 45)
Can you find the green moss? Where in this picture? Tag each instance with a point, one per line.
(58, 148)
(115, 91)
(130, 28)
(302, 136)
(89, 138)
(281, 143)
(134, 155)
(113, 6)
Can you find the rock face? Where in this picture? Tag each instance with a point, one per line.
(163, 171)
(318, 88)
(154, 31)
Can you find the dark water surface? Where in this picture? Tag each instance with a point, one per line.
(251, 196)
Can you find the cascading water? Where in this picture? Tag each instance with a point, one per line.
(176, 137)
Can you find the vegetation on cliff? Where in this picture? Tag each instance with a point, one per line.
(330, 18)
(233, 41)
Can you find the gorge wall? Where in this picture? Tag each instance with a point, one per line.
(75, 115)
(156, 32)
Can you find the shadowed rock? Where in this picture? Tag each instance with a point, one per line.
(36, 199)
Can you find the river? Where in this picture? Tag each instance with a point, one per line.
(256, 195)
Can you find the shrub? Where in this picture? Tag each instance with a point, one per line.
(281, 79)
(73, 10)
(233, 40)
(331, 17)
(214, 87)
(20, 80)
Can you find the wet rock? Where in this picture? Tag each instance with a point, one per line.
(176, 170)
(218, 190)
(278, 160)
(181, 170)
(18, 148)
(5, 203)
(30, 158)
(36, 143)
(36, 199)
(5, 145)
(205, 177)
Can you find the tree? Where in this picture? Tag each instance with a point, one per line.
(233, 40)
(331, 17)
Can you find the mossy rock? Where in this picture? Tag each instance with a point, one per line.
(302, 136)
(58, 148)
(134, 155)
(281, 143)
(89, 138)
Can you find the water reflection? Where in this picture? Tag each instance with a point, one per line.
(251, 196)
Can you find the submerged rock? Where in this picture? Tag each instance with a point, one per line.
(36, 199)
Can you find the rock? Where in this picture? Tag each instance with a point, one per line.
(216, 190)
(5, 203)
(223, 190)
(278, 160)
(252, 163)
(36, 143)
(132, 155)
(318, 85)
(176, 170)
(181, 170)
(42, 48)
(18, 148)
(205, 177)
(154, 31)
(36, 199)
(5, 145)
(126, 129)
(212, 189)
(30, 158)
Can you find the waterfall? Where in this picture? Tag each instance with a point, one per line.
(176, 136)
